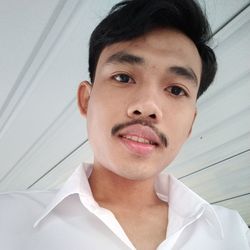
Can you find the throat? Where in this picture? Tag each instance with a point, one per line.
(136, 206)
(145, 226)
(112, 189)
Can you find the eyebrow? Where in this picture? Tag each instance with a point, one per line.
(187, 73)
(124, 57)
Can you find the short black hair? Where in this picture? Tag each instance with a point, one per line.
(131, 19)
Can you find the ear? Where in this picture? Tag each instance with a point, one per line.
(83, 96)
(190, 131)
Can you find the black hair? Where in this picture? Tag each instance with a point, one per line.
(131, 19)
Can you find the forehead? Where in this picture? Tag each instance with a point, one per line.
(161, 47)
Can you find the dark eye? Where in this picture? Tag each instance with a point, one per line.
(124, 78)
(177, 91)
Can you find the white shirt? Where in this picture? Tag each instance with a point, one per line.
(72, 220)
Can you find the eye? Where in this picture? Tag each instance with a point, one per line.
(177, 91)
(123, 78)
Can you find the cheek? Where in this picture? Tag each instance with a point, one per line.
(95, 121)
(181, 126)
(100, 117)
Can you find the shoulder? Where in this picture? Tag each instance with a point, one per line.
(26, 203)
(229, 216)
(18, 213)
(26, 197)
(232, 224)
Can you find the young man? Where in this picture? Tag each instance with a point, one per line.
(148, 64)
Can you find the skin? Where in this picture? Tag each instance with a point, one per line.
(144, 88)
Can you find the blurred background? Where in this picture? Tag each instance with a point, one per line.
(43, 58)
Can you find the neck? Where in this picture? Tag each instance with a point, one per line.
(111, 189)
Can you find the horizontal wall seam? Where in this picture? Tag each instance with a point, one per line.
(57, 164)
(214, 164)
(231, 198)
(231, 19)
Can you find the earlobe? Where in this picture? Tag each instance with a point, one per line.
(83, 96)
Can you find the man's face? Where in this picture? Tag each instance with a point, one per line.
(142, 105)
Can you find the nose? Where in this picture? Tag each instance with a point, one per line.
(145, 107)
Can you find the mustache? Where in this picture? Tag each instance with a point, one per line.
(162, 136)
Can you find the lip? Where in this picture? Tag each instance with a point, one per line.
(141, 131)
(139, 148)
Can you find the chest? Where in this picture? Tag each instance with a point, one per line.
(145, 229)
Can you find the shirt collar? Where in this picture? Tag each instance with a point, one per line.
(182, 200)
(185, 203)
(76, 184)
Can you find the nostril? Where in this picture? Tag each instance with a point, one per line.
(136, 112)
(152, 116)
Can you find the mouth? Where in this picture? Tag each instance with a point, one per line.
(138, 139)
(138, 145)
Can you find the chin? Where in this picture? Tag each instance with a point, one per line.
(137, 172)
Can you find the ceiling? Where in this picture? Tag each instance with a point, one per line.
(44, 51)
